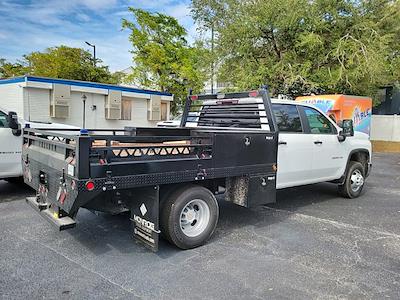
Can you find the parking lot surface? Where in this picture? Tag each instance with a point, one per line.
(310, 244)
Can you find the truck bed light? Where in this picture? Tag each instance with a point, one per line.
(227, 102)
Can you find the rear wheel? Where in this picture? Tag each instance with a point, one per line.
(189, 216)
(354, 181)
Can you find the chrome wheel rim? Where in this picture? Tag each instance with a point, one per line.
(194, 218)
(356, 180)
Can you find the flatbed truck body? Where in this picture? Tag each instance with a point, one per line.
(143, 170)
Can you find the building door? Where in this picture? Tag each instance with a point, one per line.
(164, 111)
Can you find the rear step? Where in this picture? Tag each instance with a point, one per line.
(44, 209)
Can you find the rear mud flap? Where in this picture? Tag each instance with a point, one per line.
(145, 217)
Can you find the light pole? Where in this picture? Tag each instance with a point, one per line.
(212, 62)
(94, 52)
(84, 110)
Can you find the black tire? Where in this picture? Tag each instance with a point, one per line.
(165, 193)
(171, 213)
(346, 189)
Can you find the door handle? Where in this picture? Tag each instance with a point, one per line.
(282, 143)
(318, 142)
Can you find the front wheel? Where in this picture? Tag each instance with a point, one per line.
(354, 181)
(189, 216)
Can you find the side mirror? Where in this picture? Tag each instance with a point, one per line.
(347, 130)
(347, 127)
(12, 120)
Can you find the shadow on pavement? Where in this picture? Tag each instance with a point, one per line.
(100, 233)
(15, 190)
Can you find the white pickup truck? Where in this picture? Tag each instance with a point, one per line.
(11, 142)
(312, 148)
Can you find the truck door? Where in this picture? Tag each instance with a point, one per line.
(10, 150)
(294, 149)
(328, 153)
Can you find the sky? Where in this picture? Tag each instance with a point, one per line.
(27, 26)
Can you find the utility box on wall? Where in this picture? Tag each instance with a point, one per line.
(60, 101)
(113, 105)
(154, 108)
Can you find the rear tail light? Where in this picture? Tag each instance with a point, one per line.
(194, 97)
(90, 186)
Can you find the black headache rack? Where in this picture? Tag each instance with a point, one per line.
(126, 170)
(250, 110)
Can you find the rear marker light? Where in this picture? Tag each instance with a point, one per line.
(253, 94)
(89, 185)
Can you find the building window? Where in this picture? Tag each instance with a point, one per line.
(126, 109)
(164, 111)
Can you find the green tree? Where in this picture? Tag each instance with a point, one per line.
(301, 47)
(8, 69)
(61, 62)
(162, 57)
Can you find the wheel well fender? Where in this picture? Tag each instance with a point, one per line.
(166, 190)
(360, 155)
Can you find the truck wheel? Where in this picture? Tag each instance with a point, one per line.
(354, 181)
(189, 216)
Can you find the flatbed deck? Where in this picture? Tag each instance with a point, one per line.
(115, 170)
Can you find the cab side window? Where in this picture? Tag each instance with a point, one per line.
(319, 124)
(287, 117)
(3, 120)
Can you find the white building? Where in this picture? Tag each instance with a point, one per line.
(217, 87)
(61, 101)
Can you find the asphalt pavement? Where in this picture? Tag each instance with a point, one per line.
(310, 244)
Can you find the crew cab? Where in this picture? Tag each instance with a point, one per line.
(312, 148)
(238, 144)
